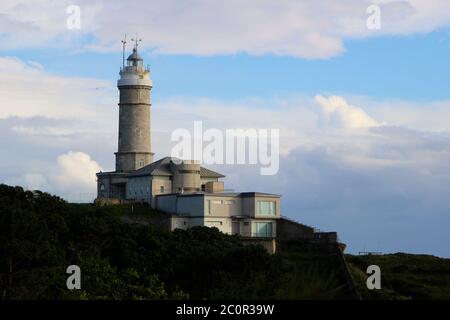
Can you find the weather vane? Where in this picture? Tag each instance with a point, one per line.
(136, 40)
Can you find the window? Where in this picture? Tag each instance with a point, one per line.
(141, 163)
(161, 189)
(102, 187)
(235, 227)
(208, 207)
(217, 201)
(262, 229)
(203, 187)
(266, 207)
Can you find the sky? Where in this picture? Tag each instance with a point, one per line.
(363, 113)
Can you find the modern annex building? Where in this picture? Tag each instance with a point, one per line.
(191, 194)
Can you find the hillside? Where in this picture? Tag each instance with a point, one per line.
(122, 255)
(40, 235)
(404, 276)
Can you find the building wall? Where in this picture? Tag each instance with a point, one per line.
(223, 209)
(287, 230)
(177, 222)
(197, 221)
(167, 203)
(248, 206)
(181, 222)
(157, 183)
(103, 187)
(129, 161)
(138, 188)
(223, 224)
(191, 205)
(111, 186)
(214, 187)
(205, 180)
(145, 188)
(181, 205)
(327, 237)
(224, 206)
(186, 177)
(134, 149)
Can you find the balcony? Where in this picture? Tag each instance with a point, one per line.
(267, 234)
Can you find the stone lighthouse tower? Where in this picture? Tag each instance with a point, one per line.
(134, 149)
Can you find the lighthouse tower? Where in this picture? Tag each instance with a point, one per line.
(134, 149)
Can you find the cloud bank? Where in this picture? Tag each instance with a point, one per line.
(308, 28)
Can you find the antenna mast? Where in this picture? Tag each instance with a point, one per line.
(137, 40)
(124, 41)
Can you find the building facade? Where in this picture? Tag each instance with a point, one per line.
(190, 194)
(248, 214)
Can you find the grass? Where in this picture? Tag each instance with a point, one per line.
(403, 276)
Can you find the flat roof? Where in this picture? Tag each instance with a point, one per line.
(222, 194)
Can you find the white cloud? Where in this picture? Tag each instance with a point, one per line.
(307, 28)
(70, 175)
(76, 171)
(28, 91)
(337, 113)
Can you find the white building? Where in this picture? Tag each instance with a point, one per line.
(190, 194)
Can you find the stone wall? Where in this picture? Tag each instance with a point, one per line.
(288, 230)
(134, 142)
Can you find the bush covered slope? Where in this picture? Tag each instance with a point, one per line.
(41, 235)
(404, 276)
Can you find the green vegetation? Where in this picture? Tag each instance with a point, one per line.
(403, 276)
(123, 255)
(41, 235)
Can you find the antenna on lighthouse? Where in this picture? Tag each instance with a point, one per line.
(136, 40)
(124, 41)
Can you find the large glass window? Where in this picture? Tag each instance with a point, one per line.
(266, 207)
(262, 229)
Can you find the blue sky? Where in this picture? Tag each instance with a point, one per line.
(387, 67)
(364, 115)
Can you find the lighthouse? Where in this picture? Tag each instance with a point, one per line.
(136, 176)
(134, 143)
